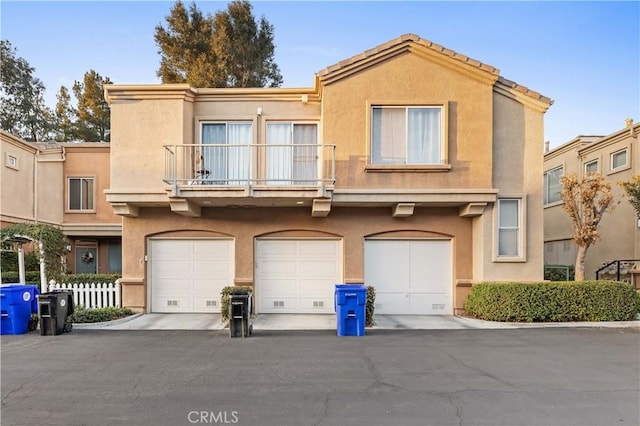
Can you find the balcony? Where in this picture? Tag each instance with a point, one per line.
(249, 175)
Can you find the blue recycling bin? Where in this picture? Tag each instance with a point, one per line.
(350, 306)
(17, 303)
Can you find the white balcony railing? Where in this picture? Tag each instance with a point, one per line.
(250, 165)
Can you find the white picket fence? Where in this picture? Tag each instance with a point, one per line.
(92, 295)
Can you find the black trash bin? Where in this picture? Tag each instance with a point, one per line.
(54, 309)
(240, 324)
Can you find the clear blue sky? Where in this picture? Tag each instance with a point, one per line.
(583, 55)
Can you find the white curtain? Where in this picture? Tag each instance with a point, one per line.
(230, 164)
(279, 158)
(406, 135)
(305, 163)
(423, 141)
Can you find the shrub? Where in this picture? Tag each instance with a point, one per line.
(559, 272)
(31, 277)
(371, 305)
(224, 298)
(89, 278)
(83, 315)
(552, 302)
(637, 302)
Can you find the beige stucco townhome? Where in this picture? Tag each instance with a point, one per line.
(408, 167)
(616, 157)
(62, 184)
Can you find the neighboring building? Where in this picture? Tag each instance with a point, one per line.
(62, 184)
(408, 167)
(617, 158)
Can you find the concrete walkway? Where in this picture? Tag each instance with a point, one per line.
(325, 322)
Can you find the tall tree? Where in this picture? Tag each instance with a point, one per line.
(64, 116)
(244, 48)
(586, 200)
(94, 114)
(228, 50)
(22, 108)
(632, 188)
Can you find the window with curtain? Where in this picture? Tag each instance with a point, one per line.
(619, 159)
(292, 153)
(227, 160)
(406, 135)
(509, 227)
(552, 185)
(80, 193)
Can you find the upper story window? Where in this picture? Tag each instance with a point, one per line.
(80, 193)
(619, 160)
(226, 158)
(591, 166)
(407, 135)
(291, 153)
(11, 162)
(552, 185)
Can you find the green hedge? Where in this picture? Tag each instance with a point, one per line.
(83, 315)
(552, 302)
(31, 277)
(89, 278)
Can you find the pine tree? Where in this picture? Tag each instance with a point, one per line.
(65, 128)
(94, 115)
(228, 50)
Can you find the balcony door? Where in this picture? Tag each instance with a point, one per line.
(225, 157)
(292, 153)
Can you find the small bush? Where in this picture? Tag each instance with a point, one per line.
(89, 278)
(637, 302)
(224, 299)
(83, 315)
(559, 272)
(371, 305)
(553, 302)
(31, 277)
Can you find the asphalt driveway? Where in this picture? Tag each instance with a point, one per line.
(550, 376)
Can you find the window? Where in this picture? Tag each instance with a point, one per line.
(11, 162)
(552, 185)
(619, 159)
(292, 153)
(225, 156)
(406, 135)
(591, 166)
(509, 227)
(80, 193)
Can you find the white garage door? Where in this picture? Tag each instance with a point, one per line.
(188, 275)
(297, 276)
(410, 276)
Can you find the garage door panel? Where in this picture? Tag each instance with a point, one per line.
(322, 268)
(297, 276)
(212, 268)
(188, 275)
(278, 286)
(410, 276)
(317, 305)
(318, 249)
(278, 267)
(172, 287)
(278, 304)
(391, 303)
